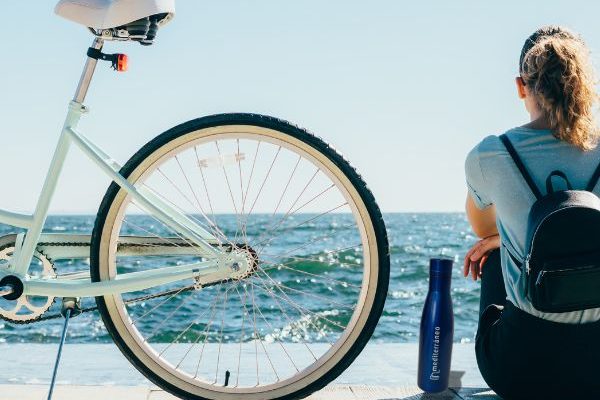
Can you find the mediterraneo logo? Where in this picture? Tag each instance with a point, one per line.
(435, 370)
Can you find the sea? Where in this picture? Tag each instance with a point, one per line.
(414, 239)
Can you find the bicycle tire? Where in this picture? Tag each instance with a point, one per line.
(305, 137)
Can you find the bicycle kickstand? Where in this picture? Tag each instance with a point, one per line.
(71, 307)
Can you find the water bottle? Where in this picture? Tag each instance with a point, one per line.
(437, 329)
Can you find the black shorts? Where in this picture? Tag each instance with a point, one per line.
(521, 356)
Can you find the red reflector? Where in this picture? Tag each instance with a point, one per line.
(122, 62)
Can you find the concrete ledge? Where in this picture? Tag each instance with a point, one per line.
(385, 371)
(62, 392)
(380, 364)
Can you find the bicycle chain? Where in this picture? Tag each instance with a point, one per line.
(45, 317)
(130, 301)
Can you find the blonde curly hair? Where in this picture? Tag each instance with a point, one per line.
(556, 66)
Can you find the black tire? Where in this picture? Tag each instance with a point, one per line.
(314, 142)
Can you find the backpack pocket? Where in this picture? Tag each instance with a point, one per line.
(570, 284)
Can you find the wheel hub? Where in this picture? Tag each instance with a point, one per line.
(245, 263)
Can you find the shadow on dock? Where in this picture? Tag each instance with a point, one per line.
(455, 392)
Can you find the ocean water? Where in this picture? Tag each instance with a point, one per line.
(414, 239)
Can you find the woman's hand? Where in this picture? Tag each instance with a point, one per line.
(478, 255)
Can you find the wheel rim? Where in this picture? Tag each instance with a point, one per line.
(323, 356)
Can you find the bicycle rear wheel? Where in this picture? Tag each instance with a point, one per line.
(310, 306)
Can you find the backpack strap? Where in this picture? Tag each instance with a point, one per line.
(594, 181)
(519, 163)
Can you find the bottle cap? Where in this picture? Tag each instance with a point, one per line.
(440, 266)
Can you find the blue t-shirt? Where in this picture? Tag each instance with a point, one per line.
(493, 178)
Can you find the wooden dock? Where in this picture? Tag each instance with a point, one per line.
(333, 392)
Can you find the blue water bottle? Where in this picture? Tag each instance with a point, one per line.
(437, 329)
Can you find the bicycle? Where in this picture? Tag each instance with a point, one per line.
(224, 251)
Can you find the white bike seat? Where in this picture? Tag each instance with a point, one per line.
(104, 14)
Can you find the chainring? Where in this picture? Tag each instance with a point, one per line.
(26, 308)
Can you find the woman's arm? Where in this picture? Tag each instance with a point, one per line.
(483, 221)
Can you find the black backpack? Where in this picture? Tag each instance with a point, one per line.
(562, 253)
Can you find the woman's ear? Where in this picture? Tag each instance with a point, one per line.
(520, 87)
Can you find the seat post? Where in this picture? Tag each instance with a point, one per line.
(88, 73)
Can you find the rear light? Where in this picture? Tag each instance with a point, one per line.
(119, 62)
(122, 62)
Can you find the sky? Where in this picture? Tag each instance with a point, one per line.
(403, 89)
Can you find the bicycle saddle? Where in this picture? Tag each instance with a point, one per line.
(107, 14)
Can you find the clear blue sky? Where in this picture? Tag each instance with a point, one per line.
(403, 89)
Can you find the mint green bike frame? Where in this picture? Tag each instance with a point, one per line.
(215, 261)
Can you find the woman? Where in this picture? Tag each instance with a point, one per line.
(522, 352)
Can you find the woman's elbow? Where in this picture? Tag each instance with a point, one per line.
(484, 231)
(483, 222)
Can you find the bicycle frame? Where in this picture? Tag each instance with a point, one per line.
(216, 260)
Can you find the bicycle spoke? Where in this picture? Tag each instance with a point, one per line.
(230, 192)
(190, 244)
(298, 260)
(212, 307)
(290, 322)
(164, 321)
(274, 227)
(265, 180)
(199, 207)
(320, 194)
(281, 231)
(258, 339)
(206, 332)
(245, 221)
(309, 294)
(212, 211)
(151, 233)
(183, 332)
(216, 232)
(243, 303)
(287, 185)
(284, 266)
(290, 301)
(256, 335)
(278, 341)
(166, 300)
(243, 200)
(221, 336)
